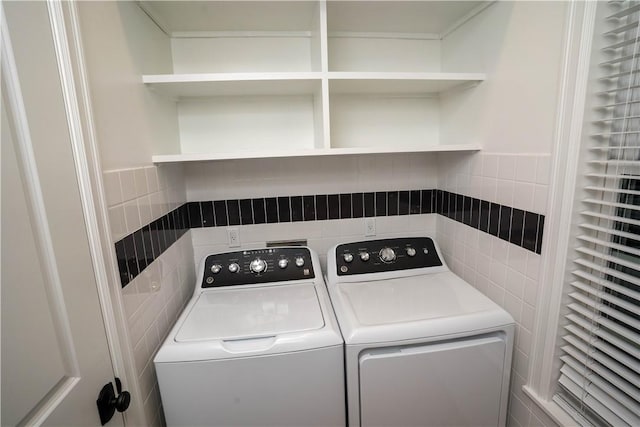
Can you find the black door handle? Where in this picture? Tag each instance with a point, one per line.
(108, 402)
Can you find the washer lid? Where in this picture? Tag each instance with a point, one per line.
(246, 313)
(410, 299)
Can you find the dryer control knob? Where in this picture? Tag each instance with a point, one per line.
(258, 265)
(299, 261)
(387, 255)
(411, 251)
(234, 268)
(215, 268)
(283, 263)
(348, 257)
(364, 256)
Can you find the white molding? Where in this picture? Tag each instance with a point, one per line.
(239, 34)
(551, 408)
(44, 244)
(381, 35)
(74, 83)
(567, 142)
(466, 18)
(117, 327)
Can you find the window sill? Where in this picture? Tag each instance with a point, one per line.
(552, 409)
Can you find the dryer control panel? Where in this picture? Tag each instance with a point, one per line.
(377, 256)
(255, 266)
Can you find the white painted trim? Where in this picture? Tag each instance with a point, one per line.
(239, 34)
(551, 408)
(42, 234)
(567, 142)
(466, 18)
(381, 35)
(109, 283)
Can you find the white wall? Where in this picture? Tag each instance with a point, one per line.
(120, 44)
(519, 46)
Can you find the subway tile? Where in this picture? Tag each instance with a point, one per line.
(506, 167)
(140, 180)
(195, 214)
(233, 212)
(152, 178)
(112, 189)
(381, 203)
(334, 206)
(392, 203)
(322, 212)
(530, 231)
(459, 207)
(415, 205)
(271, 207)
(309, 208)
(345, 206)
(357, 205)
(296, 209)
(475, 213)
(526, 168)
(484, 216)
(369, 205)
(284, 209)
(543, 170)
(123, 267)
(206, 208)
(517, 226)
(220, 208)
(130, 255)
(466, 210)
(128, 184)
(403, 203)
(259, 212)
(246, 212)
(505, 223)
(540, 233)
(494, 219)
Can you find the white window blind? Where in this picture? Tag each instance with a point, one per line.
(599, 381)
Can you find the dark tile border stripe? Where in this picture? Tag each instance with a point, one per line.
(139, 249)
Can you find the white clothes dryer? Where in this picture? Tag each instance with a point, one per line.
(422, 346)
(257, 345)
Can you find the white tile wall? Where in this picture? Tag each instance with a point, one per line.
(320, 235)
(506, 273)
(155, 298)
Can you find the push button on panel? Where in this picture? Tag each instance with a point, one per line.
(364, 256)
(348, 257)
(234, 268)
(411, 251)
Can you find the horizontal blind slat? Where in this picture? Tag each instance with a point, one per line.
(616, 314)
(594, 404)
(620, 356)
(609, 176)
(606, 383)
(607, 323)
(624, 12)
(604, 335)
(602, 295)
(611, 218)
(613, 273)
(610, 231)
(609, 258)
(593, 388)
(621, 29)
(615, 190)
(606, 360)
(608, 244)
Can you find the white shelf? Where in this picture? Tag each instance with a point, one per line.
(230, 84)
(400, 83)
(202, 157)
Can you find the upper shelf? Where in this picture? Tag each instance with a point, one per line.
(228, 84)
(202, 157)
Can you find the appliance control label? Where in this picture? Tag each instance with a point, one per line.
(255, 266)
(377, 256)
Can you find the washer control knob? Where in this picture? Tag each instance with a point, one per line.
(387, 255)
(364, 256)
(411, 251)
(234, 268)
(348, 257)
(258, 265)
(215, 268)
(283, 263)
(299, 261)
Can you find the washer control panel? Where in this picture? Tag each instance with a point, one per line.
(257, 266)
(377, 256)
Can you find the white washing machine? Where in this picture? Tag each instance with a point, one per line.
(258, 345)
(423, 347)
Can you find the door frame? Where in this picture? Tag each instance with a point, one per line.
(65, 29)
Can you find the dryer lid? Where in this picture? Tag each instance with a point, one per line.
(247, 313)
(414, 299)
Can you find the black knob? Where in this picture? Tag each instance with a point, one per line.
(122, 401)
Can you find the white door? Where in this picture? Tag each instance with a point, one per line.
(55, 357)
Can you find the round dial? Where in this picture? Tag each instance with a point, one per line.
(258, 265)
(364, 256)
(411, 251)
(234, 268)
(348, 257)
(387, 255)
(299, 261)
(215, 268)
(283, 263)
